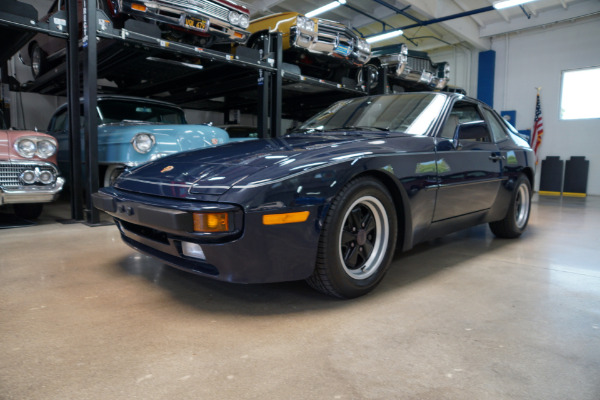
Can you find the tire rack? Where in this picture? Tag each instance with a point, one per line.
(257, 80)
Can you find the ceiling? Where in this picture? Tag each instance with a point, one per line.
(371, 17)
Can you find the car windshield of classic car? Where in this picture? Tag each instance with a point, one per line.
(117, 111)
(409, 113)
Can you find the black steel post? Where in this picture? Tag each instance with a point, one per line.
(90, 101)
(74, 110)
(385, 85)
(3, 101)
(264, 78)
(276, 89)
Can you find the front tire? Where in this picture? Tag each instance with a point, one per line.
(111, 174)
(357, 241)
(28, 210)
(517, 217)
(39, 62)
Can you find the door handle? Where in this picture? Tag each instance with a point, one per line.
(497, 157)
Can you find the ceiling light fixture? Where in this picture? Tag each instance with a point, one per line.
(499, 5)
(325, 8)
(384, 36)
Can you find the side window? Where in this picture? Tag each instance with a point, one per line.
(464, 113)
(59, 121)
(498, 131)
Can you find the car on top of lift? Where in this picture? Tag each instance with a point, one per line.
(319, 47)
(200, 22)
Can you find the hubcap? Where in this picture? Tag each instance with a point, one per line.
(364, 237)
(522, 206)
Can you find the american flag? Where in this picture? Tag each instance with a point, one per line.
(538, 126)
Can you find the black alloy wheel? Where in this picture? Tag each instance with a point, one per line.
(357, 241)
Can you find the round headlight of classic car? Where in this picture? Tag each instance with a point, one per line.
(25, 147)
(46, 177)
(305, 23)
(45, 148)
(363, 45)
(28, 177)
(234, 18)
(244, 21)
(447, 70)
(143, 142)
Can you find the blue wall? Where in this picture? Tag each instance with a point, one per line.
(485, 77)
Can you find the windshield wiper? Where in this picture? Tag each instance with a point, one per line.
(359, 128)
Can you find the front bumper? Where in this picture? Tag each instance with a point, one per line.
(331, 39)
(13, 191)
(253, 253)
(416, 70)
(32, 194)
(175, 12)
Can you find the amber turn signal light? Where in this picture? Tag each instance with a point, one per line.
(287, 218)
(138, 7)
(211, 222)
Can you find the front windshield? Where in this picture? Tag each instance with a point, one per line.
(115, 111)
(412, 113)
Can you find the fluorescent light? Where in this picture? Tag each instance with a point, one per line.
(325, 8)
(383, 36)
(499, 5)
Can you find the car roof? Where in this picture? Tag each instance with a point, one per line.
(102, 97)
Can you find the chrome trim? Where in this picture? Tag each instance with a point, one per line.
(329, 36)
(32, 194)
(173, 12)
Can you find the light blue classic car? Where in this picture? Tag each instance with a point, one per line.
(132, 131)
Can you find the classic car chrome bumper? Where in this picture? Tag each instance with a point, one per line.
(332, 39)
(32, 194)
(198, 16)
(14, 191)
(417, 70)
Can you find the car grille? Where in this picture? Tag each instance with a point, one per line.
(11, 171)
(328, 31)
(200, 6)
(420, 64)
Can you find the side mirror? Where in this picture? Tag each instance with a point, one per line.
(476, 131)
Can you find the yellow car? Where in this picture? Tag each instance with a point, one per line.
(318, 45)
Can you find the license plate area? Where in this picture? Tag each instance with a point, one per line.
(199, 24)
(342, 49)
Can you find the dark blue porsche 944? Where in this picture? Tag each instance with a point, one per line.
(330, 201)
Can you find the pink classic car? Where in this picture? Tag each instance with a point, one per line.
(28, 173)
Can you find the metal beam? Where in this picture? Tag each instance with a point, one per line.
(76, 195)
(90, 101)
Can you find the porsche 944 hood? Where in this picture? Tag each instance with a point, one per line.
(213, 171)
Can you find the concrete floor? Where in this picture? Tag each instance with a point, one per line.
(82, 316)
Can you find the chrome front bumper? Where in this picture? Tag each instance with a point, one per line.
(331, 39)
(414, 69)
(32, 194)
(174, 12)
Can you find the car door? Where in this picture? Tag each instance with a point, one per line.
(468, 163)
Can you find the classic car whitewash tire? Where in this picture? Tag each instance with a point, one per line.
(357, 241)
(38, 61)
(111, 174)
(517, 216)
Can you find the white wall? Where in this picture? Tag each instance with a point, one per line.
(536, 58)
(463, 66)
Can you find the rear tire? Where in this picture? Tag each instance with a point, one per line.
(357, 241)
(39, 62)
(517, 217)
